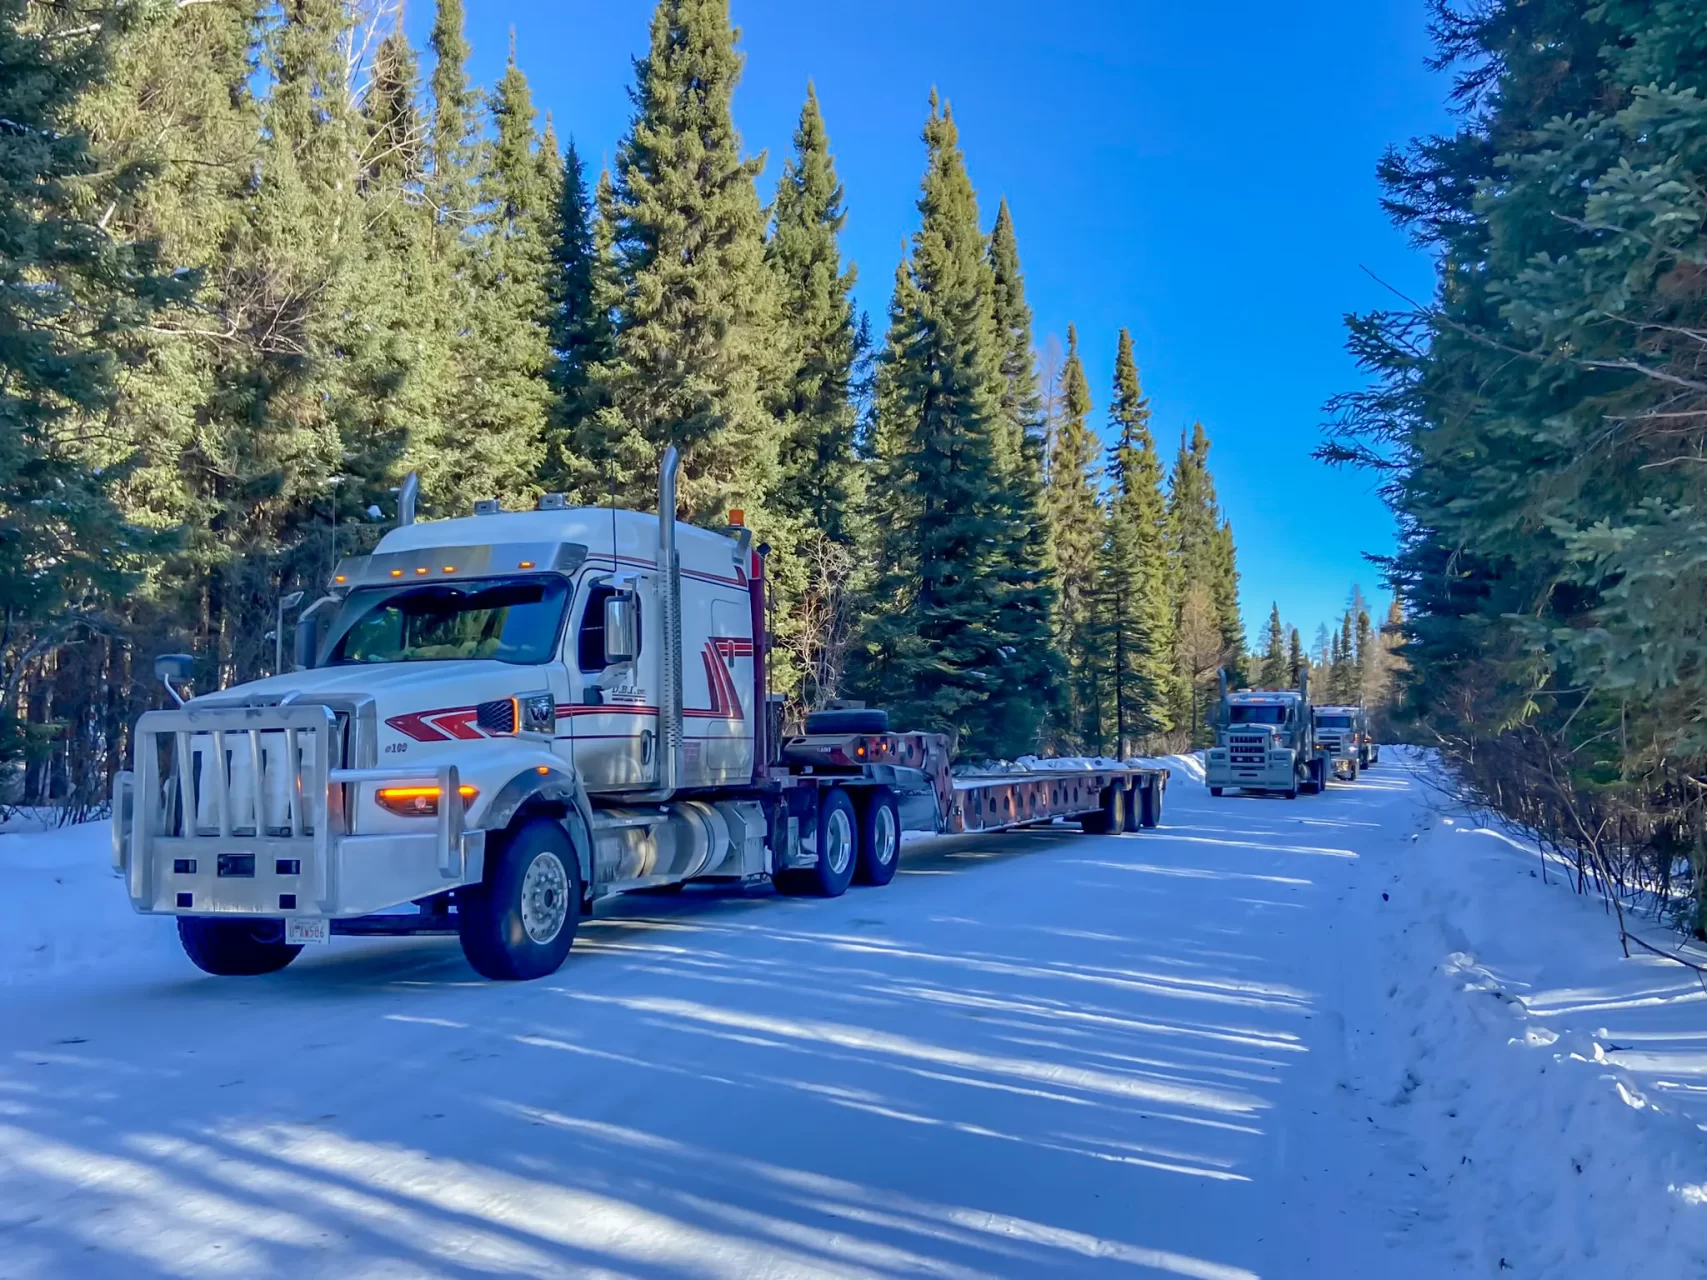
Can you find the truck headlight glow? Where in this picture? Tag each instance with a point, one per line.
(419, 802)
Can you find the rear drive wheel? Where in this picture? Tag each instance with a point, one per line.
(519, 922)
(879, 838)
(235, 948)
(838, 847)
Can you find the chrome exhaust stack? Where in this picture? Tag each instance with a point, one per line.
(669, 565)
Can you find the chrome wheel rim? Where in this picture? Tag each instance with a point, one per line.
(838, 841)
(545, 897)
(883, 836)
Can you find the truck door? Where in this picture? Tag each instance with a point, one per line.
(717, 687)
(612, 716)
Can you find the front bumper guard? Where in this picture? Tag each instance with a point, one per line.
(238, 811)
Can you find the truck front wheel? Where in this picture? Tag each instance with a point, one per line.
(519, 922)
(879, 839)
(235, 948)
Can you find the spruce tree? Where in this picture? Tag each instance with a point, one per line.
(820, 479)
(580, 328)
(452, 187)
(1202, 557)
(501, 423)
(1136, 621)
(1076, 523)
(1296, 662)
(698, 355)
(953, 645)
(1029, 560)
(1275, 663)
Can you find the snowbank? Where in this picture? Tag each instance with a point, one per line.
(63, 909)
(1556, 1091)
(1190, 767)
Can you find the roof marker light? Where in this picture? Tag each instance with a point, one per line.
(525, 564)
(397, 573)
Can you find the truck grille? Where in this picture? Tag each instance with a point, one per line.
(1247, 750)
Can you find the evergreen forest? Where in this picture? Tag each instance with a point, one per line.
(260, 260)
(1539, 427)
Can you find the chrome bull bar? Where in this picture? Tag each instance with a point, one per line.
(245, 810)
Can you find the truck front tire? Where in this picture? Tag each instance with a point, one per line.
(1215, 791)
(232, 949)
(879, 838)
(519, 922)
(838, 849)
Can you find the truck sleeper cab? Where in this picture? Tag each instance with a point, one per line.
(496, 721)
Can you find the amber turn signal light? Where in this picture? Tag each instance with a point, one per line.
(419, 802)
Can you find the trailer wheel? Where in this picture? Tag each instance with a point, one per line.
(1133, 799)
(519, 922)
(233, 948)
(1150, 803)
(838, 849)
(1112, 815)
(879, 838)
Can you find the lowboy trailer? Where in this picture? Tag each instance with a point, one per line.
(494, 723)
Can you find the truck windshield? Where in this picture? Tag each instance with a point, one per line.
(1257, 713)
(503, 621)
(1333, 722)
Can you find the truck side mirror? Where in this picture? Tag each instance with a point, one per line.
(173, 669)
(622, 628)
(310, 629)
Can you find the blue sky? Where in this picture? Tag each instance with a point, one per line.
(1200, 173)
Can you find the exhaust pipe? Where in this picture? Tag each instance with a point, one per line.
(406, 497)
(669, 564)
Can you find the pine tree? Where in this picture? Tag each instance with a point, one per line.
(1275, 664)
(1296, 662)
(71, 295)
(946, 650)
(698, 352)
(1136, 615)
(580, 324)
(1076, 523)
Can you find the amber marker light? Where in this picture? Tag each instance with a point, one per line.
(397, 573)
(422, 571)
(525, 564)
(419, 802)
(450, 568)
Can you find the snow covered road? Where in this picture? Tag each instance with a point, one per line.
(1034, 1054)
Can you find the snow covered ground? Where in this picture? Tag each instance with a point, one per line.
(1333, 1037)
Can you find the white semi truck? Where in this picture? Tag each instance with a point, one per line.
(498, 720)
(1343, 732)
(1265, 743)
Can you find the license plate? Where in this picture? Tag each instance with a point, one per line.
(307, 932)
